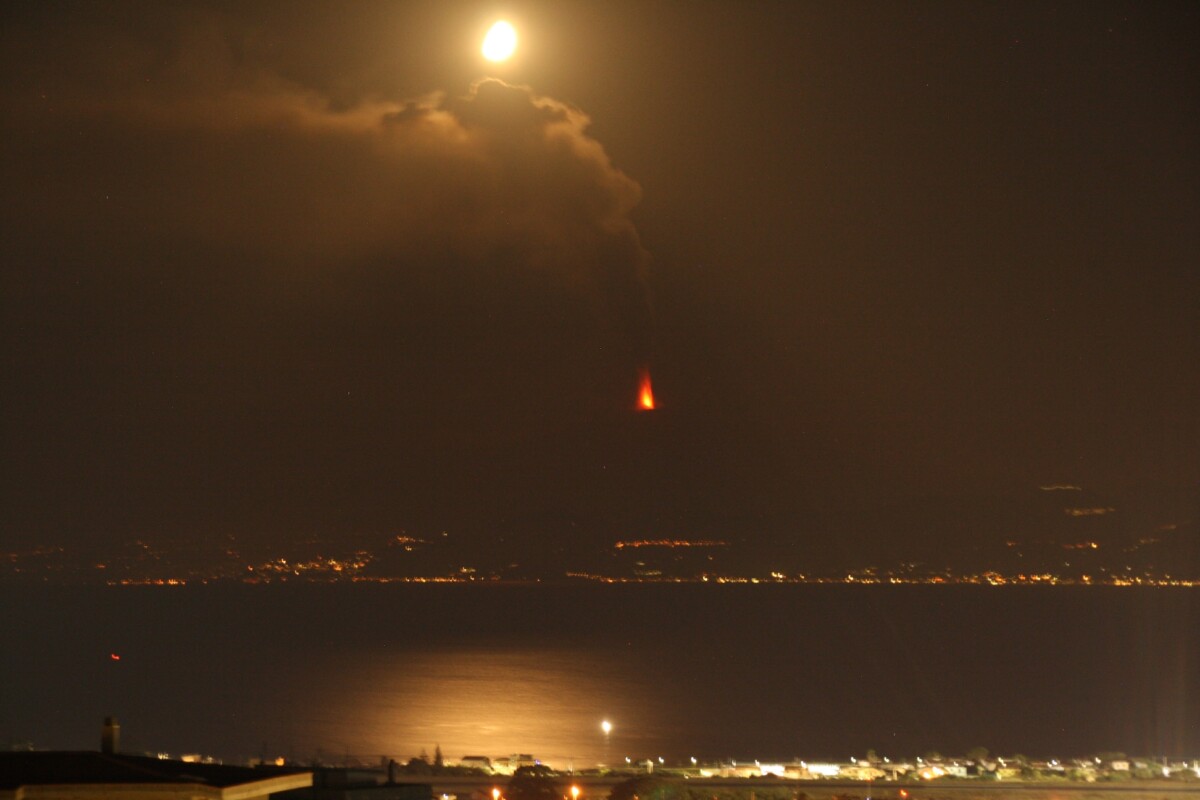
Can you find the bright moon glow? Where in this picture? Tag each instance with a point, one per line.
(500, 42)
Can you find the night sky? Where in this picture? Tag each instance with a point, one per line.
(292, 269)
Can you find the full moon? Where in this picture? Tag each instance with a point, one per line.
(500, 42)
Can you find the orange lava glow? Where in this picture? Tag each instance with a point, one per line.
(645, 393)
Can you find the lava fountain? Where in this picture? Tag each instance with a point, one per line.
(645, 400)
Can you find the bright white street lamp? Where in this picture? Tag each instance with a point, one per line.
(607, 727)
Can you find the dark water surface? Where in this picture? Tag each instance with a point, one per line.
(764, 671)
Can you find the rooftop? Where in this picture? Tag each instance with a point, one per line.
(66, 768)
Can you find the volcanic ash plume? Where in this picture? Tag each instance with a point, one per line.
(493, 214)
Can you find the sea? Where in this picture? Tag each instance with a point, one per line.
(706, 671)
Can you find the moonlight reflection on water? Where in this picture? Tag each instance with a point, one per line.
(777, 672)
(489, 702)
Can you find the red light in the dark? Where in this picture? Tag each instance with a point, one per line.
(645, 393)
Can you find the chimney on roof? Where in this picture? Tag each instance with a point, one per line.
(110, 739)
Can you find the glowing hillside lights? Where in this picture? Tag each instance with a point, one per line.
(500, 42)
